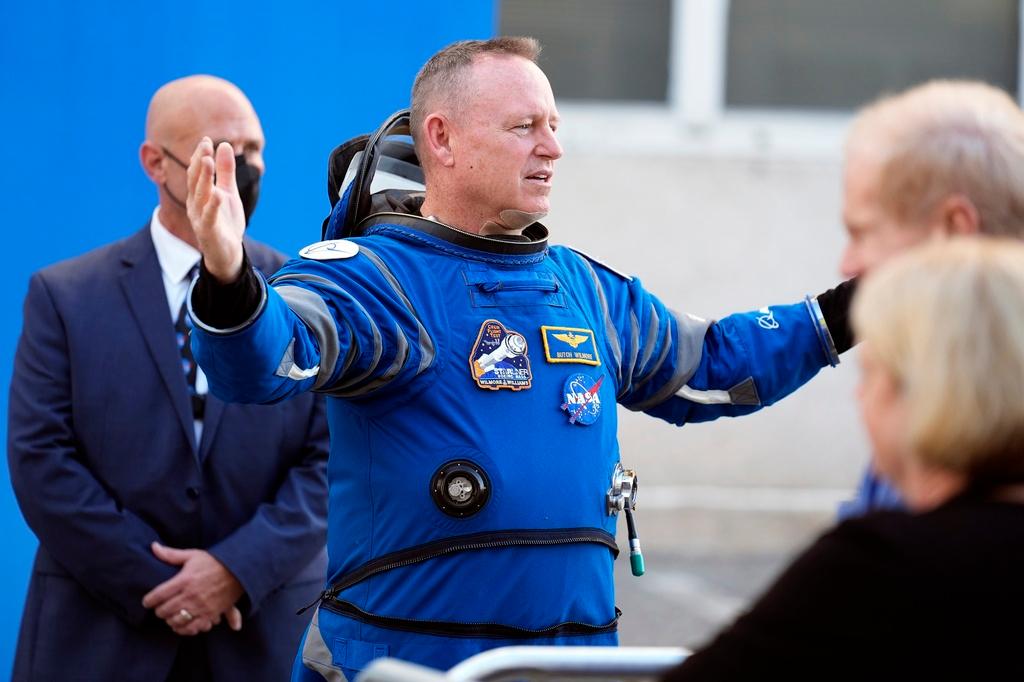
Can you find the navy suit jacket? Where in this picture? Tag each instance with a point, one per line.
(103, 462)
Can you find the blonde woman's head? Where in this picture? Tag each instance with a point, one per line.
(943, 354)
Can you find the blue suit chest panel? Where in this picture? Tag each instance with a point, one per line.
(547, 470)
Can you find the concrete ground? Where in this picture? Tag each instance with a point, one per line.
(703, 568)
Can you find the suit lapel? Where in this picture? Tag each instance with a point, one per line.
(143, 286)
(215, 407)
(211, 420)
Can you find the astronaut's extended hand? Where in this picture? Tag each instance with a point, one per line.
(215, 209)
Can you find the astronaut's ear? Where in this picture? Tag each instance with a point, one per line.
(437, 137)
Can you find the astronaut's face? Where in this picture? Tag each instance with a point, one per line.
(504, 144)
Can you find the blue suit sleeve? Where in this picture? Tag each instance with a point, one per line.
(748, 361)
(105, 547)
(345, 328)
(682, 368)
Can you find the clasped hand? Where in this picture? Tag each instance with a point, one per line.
(201, 593)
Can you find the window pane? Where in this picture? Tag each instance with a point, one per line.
(597, 49)
(840, 54)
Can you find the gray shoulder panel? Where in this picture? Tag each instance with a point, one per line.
(604, 265)
(690, 332)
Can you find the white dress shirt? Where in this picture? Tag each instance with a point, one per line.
(176, 259)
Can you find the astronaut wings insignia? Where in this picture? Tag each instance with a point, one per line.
(571, 338)
(570, 344)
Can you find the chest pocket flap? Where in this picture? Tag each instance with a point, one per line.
(494, 288)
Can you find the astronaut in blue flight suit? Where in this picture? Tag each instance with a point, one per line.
(473, 371)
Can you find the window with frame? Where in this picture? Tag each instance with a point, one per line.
(837, 54)
(614, 50)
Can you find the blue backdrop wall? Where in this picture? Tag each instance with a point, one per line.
(75, 79)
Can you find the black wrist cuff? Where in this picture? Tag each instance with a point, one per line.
(225, 306)
(835, 308)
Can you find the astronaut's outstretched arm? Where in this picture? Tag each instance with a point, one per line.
(344, 327)
(748, 361)
(242, 336)
(683, 368)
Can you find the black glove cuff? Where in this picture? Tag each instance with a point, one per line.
(835, 308)
(225, 306)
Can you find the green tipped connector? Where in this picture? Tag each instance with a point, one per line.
(636, 563)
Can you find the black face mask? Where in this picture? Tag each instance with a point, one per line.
(247, 177)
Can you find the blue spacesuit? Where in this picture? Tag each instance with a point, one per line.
(472, 385)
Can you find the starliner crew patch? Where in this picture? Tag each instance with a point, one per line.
(582, 398)
(569, 344)
(499, 358)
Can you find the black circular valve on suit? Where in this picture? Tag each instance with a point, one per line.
(460, 488)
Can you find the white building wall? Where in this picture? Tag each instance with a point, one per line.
(712, 236)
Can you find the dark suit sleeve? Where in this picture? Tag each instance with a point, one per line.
(286, 534)
(105, 547)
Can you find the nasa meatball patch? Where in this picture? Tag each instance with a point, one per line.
(582, 401)
(499, 358)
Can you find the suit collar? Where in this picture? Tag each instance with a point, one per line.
(176, 257)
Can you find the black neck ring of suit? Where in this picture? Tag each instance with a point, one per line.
(536, 234)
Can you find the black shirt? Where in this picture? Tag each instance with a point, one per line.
(939, 595)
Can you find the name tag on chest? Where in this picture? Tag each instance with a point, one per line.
(570, 344)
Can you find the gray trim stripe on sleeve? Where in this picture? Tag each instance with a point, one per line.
(312, 310)
(652, 339)
(689, 348)
(323, 282)
(304, 277)
(743, 393)
(425, 343)
(378, 351)
(666, 346)
(353, 350)
(609, 327)
(289, 370)
(401, 356)
(634, 353)
(704, 397)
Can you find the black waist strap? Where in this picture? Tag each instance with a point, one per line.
(444, 628)
(467, 543)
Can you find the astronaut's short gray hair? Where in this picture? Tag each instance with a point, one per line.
(443, 77)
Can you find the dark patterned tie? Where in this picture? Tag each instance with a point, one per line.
(182, 328)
